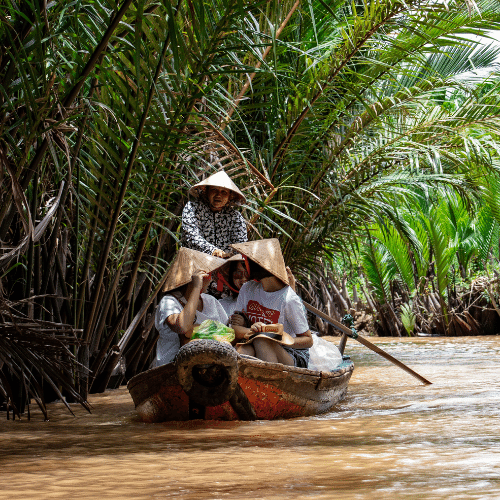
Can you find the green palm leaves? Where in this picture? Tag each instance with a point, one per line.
(439, 237)
(374, 120)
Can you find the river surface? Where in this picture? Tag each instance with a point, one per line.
(391, 438)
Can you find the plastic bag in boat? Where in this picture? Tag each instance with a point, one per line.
(323, 355)
(211, 329)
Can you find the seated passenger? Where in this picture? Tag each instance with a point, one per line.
(235, 276)
(185, 303)
(270, 300)
(211, 223)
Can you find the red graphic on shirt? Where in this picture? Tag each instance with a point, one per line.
(258, 313)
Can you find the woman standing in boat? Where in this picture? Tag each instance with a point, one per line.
(270, 300)
(185, 304)
(211, 223)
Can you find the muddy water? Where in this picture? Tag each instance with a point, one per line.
(392, 438)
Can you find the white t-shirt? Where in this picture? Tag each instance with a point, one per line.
(229, 305)
(283, 306)
(169, 342)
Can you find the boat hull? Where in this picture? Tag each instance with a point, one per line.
(273, 390)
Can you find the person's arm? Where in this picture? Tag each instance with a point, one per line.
(237, 319)
(291, 278)
(239, 228)
(220, 253)
(182, 323)
(192, 234)
(240, 331)
(168, 305)
(297, 320)
(303, 341)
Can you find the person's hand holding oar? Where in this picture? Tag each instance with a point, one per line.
(347, 331)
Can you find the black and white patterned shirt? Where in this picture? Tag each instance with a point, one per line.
(205, 230)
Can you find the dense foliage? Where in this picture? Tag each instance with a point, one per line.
(346, 124)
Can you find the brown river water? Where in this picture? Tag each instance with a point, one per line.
(391, 438)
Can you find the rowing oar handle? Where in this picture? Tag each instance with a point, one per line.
(344, 329)
(353, 335)
(347, 320)
(342, 343)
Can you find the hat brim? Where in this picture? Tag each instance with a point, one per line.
(236, 258)
(266, 253)
(281, 338)
(186, 262)
(219, 179)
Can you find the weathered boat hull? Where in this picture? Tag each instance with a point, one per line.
(273, 390)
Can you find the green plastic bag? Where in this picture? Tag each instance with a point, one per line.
(210, 329)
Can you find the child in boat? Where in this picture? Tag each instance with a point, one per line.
(186, 304)
(270, 300)
(211, 223)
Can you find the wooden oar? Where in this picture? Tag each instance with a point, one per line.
(347, 331)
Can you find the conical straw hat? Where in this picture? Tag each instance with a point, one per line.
(220, 179)
(186, 263)
(236, 257)
(272, 332)
(267, 253)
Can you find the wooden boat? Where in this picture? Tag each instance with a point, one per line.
(211, 381)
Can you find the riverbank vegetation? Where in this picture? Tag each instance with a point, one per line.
(349, 126)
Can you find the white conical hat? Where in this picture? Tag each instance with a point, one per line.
(220, 179)
(267, 253)
(186, 262)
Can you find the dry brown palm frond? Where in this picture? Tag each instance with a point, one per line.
(33, 352)
(34, 234)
